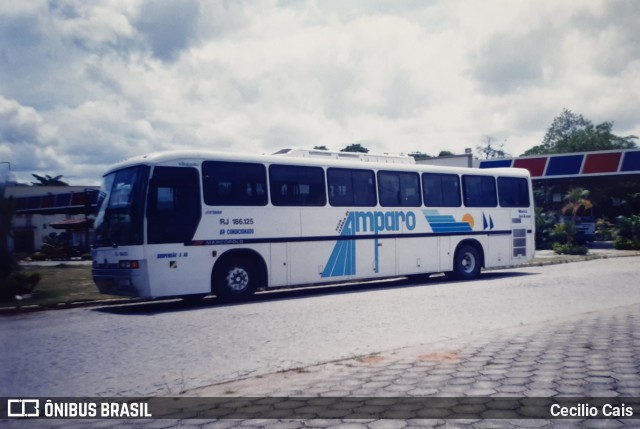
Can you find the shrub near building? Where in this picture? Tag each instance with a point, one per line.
(628, 236)
(13, 282)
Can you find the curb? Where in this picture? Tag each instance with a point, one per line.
(69, 305)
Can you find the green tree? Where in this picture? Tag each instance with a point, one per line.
(6, 216)
(419, 156)
(628, 237)
(320, 148)
(47, 180)
(488, 149)
(571, 132)
(445, 153)
(355, 147)
(12, 281)
(577, 203)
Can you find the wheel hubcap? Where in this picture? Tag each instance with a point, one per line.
(237, 279)
(468, 262)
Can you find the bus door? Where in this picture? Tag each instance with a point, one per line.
(173, 215)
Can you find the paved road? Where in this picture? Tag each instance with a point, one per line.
(168, 348)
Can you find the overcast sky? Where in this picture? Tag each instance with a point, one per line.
(84, 84)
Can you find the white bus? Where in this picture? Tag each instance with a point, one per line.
(193, 223)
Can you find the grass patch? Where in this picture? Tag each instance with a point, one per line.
(61, 284)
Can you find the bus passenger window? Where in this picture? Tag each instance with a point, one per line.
(513, 192)
(441, 190)
(351, 187)
(293, 185)
(479, 191)
(399, 189)
(234, 183)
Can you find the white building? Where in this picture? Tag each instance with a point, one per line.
(49, 211)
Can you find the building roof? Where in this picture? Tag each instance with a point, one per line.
(53, 199)
(569, 165)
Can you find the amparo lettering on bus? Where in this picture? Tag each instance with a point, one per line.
(342, 261)
(379, 221)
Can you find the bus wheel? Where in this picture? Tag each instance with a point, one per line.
(466, 264)
(235, 280)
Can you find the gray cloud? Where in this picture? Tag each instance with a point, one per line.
(507, 62)
(84, 84)
(169, 26)
(613, 33)
(24, 139)
(18, 124)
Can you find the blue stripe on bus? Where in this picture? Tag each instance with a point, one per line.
(452, 227)
(445, 223)
(437, 219)
(342, 261)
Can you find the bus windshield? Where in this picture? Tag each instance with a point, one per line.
(120, 217)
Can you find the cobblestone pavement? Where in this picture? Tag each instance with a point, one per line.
(592, 355)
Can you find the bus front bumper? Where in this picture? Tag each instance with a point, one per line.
(121, 282)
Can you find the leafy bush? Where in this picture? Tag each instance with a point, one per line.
(567, 233)
(18, 283)
(38, 256)
(570, 249)
(628, 237)
(604, 230)
(624, 244)
(562, 233)
(545, 223)
(7, 264)
(567, 240)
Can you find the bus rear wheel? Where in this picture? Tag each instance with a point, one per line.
(466, 263)
(234, 279)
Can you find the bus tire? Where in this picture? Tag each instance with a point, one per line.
(235, 279)
(466, 262)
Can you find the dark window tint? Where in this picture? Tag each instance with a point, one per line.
(351, 187)
(234, 183)
(479, 191)
(513, 192)
(399, 189)
(441, 190)
(293, 185)
(120, 216)
(173, 212)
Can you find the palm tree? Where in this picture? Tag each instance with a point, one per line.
(49, 181)
(577, 207)
(577, 203)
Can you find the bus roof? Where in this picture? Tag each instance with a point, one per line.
(190, 158)
(385, 158)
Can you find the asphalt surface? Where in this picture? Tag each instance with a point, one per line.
(585, 354)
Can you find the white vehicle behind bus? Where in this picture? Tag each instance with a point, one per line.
(193, 223)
